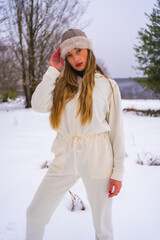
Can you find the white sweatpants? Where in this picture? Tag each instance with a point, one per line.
(60, 177)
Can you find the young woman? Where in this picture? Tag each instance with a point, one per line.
(85, 110)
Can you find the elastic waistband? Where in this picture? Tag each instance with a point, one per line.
(78, 140)
(84, 137)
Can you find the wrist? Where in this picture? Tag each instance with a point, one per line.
(59, 68)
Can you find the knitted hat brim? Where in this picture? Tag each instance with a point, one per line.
(75, 42)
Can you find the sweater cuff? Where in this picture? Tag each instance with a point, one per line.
(117, 174)
(52, 73)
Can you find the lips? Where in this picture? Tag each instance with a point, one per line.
(79, 64)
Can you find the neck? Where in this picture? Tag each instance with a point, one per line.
(79, 73)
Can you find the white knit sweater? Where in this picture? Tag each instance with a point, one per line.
(106, 157)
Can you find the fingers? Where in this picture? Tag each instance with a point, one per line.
(114, 188)
(61, 60)
(57, 52)
(56, 55)
(111, 186)
(114, 192)
(56, 60)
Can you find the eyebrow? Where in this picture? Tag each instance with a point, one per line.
(68, 54)
(71, 53)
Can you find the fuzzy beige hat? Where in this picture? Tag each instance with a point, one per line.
(74, 38)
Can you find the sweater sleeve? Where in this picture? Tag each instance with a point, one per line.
(116, 134)
(42, 97)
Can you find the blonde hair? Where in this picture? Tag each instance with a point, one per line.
(66, 87)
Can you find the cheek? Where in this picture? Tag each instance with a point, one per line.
(85, 57)
(70, 62)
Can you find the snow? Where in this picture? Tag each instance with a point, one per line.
(18, 103)
(25, 142)
(141, 104)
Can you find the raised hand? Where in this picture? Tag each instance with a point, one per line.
(56, 60)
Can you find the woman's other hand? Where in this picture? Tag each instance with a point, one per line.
(114, 187)
(56, 61)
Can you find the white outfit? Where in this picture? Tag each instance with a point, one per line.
(94, 152)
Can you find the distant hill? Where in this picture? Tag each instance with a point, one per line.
(133, 90)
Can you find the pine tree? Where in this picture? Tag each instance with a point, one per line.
(148, 51)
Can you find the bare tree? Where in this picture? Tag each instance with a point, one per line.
(102, 64)
(2, 16)
(35, 29)
(8, 72)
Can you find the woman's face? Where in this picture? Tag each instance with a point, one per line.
(77, 58)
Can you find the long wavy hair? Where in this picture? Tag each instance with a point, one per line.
(66, 87)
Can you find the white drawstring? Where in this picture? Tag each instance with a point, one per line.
(76, 145)
(76, 141)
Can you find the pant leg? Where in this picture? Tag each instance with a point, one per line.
(101, 207)
(49, 194)
(97, 192)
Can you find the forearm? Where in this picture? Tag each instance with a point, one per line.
(116, 135)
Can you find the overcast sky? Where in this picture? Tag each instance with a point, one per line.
(113, 31)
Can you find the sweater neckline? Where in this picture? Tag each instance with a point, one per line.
(78, 73)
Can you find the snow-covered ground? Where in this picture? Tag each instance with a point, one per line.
(25, 141)
(141, 104)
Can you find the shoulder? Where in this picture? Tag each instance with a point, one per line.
(107, 82)
(106, 86)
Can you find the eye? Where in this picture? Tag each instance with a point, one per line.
(69, 55)
(79, 50)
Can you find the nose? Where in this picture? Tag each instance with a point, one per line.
(76, 58)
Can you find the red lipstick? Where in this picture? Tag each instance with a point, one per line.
(79, 64)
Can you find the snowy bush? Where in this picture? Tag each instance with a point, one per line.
(148, 158)
(46, 164)
(5, 95)
(77, 203)
(13, 104)
(143, 156)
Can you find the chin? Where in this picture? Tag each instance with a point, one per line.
(79, 68)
